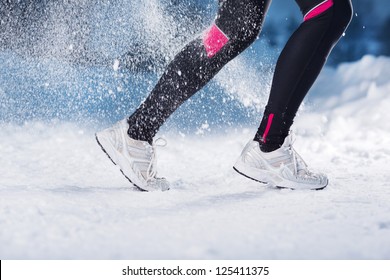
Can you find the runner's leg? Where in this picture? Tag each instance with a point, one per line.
(236, 26)
(300, 64)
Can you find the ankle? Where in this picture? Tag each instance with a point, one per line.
(136, 132)
(269, 146)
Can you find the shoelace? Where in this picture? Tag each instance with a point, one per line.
(151, 172)
(298, 162)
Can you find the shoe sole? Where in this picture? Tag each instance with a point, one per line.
(101, 146)
(276, 186)
(239, 172)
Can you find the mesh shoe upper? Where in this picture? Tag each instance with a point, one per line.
(283, 167)
(137, 159)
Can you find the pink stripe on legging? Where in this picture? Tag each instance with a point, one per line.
(269, 123)
(319, 9)
(214, 40)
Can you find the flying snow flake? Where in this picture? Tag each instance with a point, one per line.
(115, 66)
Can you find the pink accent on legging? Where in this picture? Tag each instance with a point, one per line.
(214, 40)
(269, 123)
(319, 9)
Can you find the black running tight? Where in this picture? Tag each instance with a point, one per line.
(299, 64)
(237, 25)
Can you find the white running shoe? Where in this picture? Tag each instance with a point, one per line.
(282, 168)
(136, 159)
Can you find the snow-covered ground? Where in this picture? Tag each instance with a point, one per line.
(61, 198)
